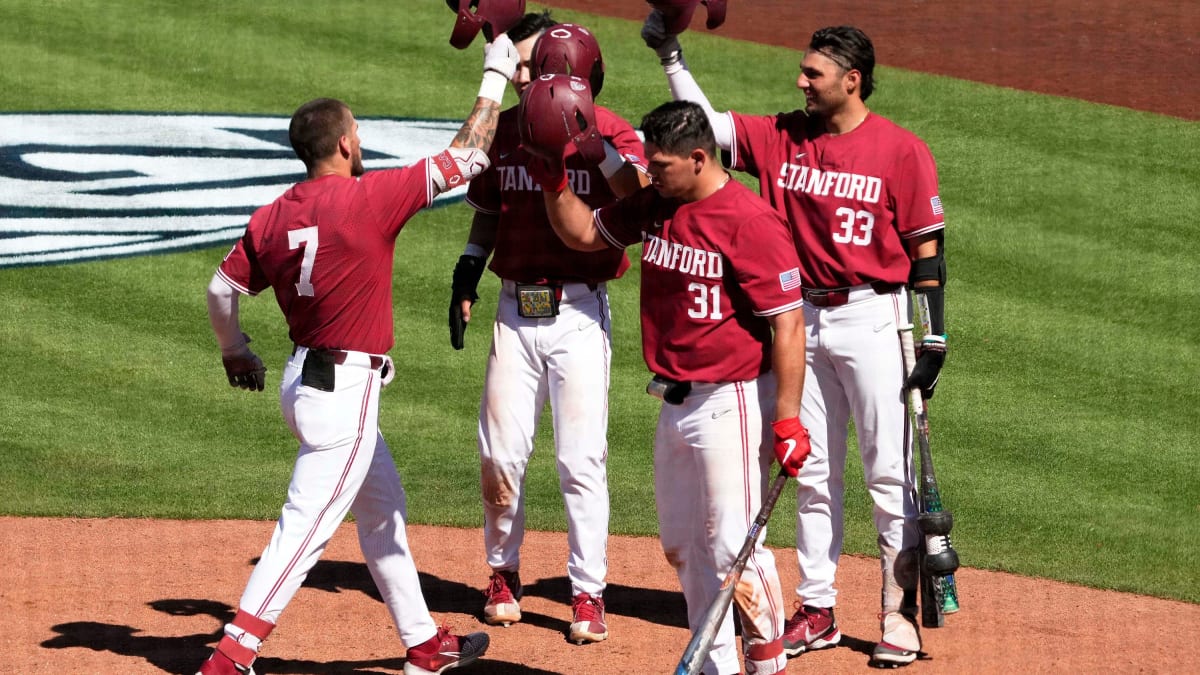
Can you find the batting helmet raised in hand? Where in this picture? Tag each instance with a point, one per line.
(678, 13)
(493, 16)
(556, 110)
(569, 49)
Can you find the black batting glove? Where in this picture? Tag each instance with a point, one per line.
(931, 355)
(463, 286)
(243, 368)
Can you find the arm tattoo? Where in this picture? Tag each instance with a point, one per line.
(479, 129)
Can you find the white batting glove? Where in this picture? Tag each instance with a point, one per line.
(654, 34)
(388, 372)
(500, 55)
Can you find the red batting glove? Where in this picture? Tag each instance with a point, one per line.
(550, 173)
(791, 445)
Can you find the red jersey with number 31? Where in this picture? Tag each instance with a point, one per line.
(712, 271)
(852, 199)
(326, 247)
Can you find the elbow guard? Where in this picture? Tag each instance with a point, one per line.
(929, 269)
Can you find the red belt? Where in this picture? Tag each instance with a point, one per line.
(835, 297)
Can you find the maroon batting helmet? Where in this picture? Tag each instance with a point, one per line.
(555, 111)
(493, 16)
(678, 13)
(569, 49)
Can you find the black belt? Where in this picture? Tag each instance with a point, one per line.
(671, 391)
(340, 356)
(835, 297)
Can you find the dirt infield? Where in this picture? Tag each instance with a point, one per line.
(148, 596)
(143, 596)
(1143, 55)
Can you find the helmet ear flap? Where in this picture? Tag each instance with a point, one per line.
(677, 14)
(493, 17)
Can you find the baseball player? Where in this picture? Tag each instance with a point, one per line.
(551, 339)
(719, 275)
(326, 248)
(861, 194)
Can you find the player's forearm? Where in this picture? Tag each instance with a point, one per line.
(223, 314)
(482, 238)
(479, 129)
(787, 358)
(685, 88)
(572, 221)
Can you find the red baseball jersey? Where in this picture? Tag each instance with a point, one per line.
(326, 247)
(852, 199)
(712, 271)
(526, 247)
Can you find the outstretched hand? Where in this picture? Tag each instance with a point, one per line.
(500, 55)
(656, 37)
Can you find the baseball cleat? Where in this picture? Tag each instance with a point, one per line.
(809, 629)
(219, 664)
(588, 624)
(444, 651)
(503, 592)
(901, 643)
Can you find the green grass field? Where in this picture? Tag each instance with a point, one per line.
(1064, 426)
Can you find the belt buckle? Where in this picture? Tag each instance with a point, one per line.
(668, 390)
(537, 301)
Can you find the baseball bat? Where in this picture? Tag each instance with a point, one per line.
(938, 559)
(701, 642)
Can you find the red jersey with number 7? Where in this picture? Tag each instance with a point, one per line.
(326, 247)
(712, 271)
(851, 199)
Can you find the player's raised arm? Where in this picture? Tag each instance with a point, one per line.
(466, 157)
(660, 33)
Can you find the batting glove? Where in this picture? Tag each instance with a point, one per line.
(243, 367)
(463, 286)
(500, 55)
(791, 445)
(931, 355)
(549, 172)
(654, 34)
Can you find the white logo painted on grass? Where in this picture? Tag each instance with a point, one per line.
(76, 187)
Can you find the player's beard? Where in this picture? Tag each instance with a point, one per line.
(356, 166)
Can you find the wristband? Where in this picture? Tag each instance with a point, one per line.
(475, 250)
(612, 162)
(492, 86)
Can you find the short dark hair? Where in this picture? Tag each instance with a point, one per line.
(531, 24)
(851, 49)
(316, 128)
(678, 127)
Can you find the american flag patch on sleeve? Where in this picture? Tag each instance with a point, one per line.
(936, 203)
(790, 280)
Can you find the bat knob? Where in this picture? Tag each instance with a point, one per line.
(936, 523)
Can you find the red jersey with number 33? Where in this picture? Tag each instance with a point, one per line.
(852, 199)
(712, 271)
(326, 247)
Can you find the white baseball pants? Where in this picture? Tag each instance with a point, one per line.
(563, 359)
(854, 368)
(343, 465)
(712, 462)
